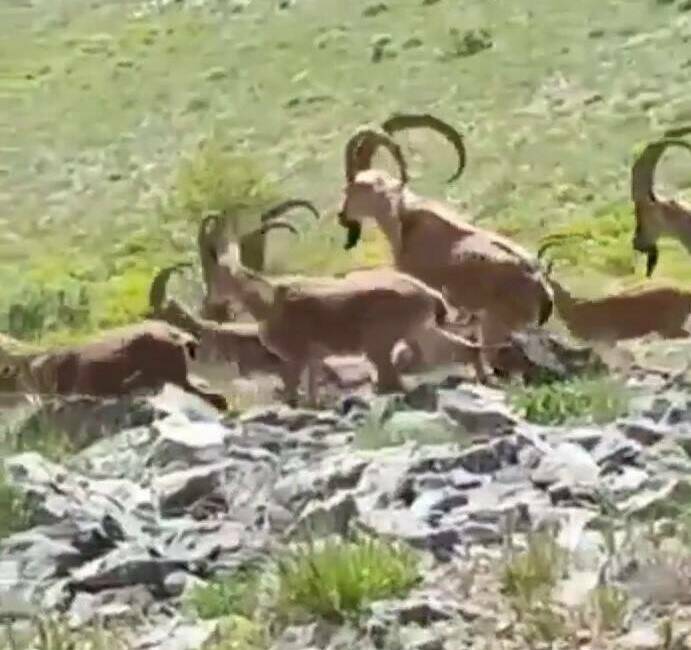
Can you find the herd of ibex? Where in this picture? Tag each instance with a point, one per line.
(447, 275)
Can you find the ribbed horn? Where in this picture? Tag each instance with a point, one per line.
(643, 169)
(364, 139)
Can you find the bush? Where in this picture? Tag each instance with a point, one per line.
(337, 579)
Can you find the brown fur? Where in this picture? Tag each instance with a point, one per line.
(306, 319)
(665, 311)
(479, 271)
(137, 357)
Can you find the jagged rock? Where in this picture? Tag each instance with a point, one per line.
(184, 443)
(177, 491)
(476, 416)
(420, 609)
(323, 518)
(568, 464)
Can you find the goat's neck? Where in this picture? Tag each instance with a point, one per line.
(389, 219)
(563, 300)
(677, 222)
(255, 292)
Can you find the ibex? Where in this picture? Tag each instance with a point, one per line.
(665, 311)
(304, 319)
(237, 343)
(212, 228)
(479, 271)
(143, 356)
(656, 217)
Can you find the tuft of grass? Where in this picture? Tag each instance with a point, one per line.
(586, 399)
(241, 633)
(607, 608)
(55, 634)
(336, 580)
(234, 595)
(531, 574)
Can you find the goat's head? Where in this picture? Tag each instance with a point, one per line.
(649, 219)
(370, 192)
(550, 242)
(227, 265)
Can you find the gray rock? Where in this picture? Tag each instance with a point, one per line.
(421, 609)
(186, 443)
(642, 431)
(476, 416)
(324, 518)
(567, 463)
(177, 491)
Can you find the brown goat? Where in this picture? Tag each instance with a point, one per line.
(665, 311)
(237, 343)
(213, 232)
(656, 217)
(143, 356)
(479, 271)
(304, 319)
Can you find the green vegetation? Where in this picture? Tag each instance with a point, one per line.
(228, 596)
(126, 122)
(13, 512)
(337, 580)
(586, 399)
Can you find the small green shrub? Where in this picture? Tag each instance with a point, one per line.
(216, 179)
(589, 399)
(234, 595)
(337, 579)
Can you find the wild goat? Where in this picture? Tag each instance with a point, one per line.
(665, 311)
(136, 357)
(656, 217)
(304, 319)
(212, 230)
(479, 271)
(237, 343)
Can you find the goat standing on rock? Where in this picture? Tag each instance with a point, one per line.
(656, 217)
(478, 271)
(304, 319)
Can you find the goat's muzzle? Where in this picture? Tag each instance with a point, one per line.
(353, 231)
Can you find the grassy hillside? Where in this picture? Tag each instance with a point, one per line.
(104, 101)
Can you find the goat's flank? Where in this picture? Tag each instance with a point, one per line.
(143, 356)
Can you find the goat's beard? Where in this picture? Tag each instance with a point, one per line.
(354, 231)
(653, 255)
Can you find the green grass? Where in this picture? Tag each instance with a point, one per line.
(229, 596)
(103, 110)
(336, 580)
(13, 513)
(580, 400)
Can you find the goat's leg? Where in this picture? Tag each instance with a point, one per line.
(291, 372)
(388, 377)
(313, 375)
(465, 353)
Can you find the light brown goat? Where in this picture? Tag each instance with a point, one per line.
(143, 356)
(665, 311)
(237, 343)
(656, 217)
(213, 232)
(479, 271)
(304, 319)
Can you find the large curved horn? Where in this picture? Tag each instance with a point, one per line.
(402, 121)
(556, 240)
(210, 223)
(276, 223)
(643, 170)
(290, 204)
(366, 139)
(677, 132)
(157, 292)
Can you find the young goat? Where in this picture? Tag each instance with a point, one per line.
(665, 311)
(305, 319)
(135, 357)
(213, 232)
(237, 343)
(656, 217)
(479, 271)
